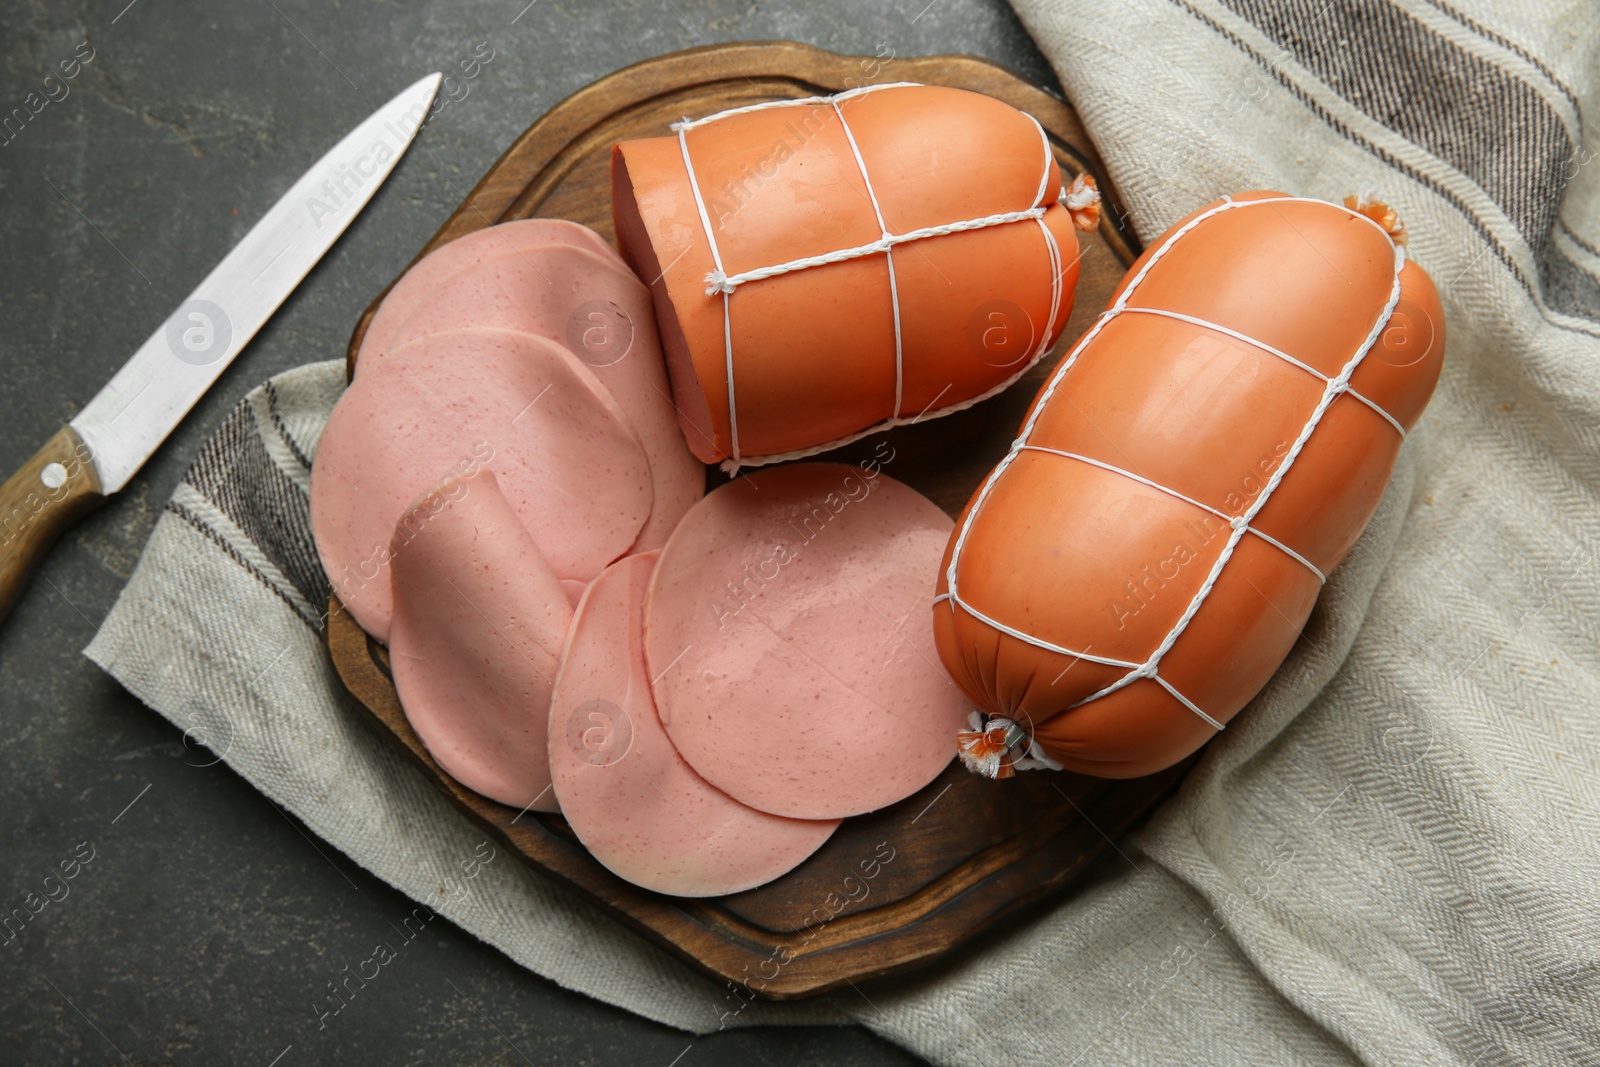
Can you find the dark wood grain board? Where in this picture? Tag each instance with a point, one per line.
(907, 884)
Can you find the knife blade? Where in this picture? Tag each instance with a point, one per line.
(107, 442)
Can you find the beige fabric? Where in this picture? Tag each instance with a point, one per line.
(1392, 855)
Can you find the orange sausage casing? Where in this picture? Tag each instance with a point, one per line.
(784, 364)
(1142, 560)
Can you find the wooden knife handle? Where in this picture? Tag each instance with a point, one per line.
(50, 490)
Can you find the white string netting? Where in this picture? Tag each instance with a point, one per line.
(719, 282)
(1240, 526)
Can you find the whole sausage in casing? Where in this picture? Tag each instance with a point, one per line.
(1144, 557)
(827, 267)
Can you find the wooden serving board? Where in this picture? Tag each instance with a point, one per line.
(901, 886)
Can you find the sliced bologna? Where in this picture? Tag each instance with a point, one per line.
(787, 630)
(632, 800)
(479, 621)
(594, 306)
(460, 402)
(420, 280)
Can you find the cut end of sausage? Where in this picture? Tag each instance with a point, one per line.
(633, 240)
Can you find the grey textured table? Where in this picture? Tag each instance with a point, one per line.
(208, 922)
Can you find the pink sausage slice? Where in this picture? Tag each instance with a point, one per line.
(632, 800)
(595, 307)
(449, 406)
(419, 281)
(479, 621)
(788, 635)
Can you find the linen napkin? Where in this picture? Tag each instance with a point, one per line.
(1393, 855)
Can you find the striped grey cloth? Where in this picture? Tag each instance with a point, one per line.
(221, 630)
(1393, 856)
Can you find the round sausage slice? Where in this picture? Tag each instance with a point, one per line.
(423, 276)
(632, 800)
(479, 621)
(449, 406)
(594, 306)
(788, 636)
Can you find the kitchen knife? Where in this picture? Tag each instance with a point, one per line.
(102, 447)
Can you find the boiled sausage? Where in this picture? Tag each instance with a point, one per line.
(826, 267)
(1143, 558)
